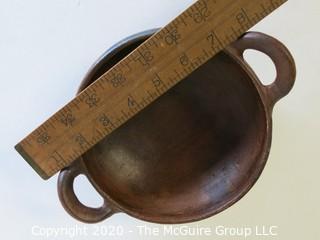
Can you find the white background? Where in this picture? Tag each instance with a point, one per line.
(46, 48)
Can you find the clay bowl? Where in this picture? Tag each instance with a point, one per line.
(192, 153)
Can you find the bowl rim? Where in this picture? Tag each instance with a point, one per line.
(252, 179)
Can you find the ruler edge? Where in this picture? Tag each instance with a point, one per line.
(31, 162)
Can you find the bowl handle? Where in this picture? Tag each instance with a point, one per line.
(281, 57)
(71, 203)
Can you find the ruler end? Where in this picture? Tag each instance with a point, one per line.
(31, 162)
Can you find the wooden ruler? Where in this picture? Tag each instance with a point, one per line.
(153, 68)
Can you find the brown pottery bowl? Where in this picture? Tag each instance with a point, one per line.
(192, 153)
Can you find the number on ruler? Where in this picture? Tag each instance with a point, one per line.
(172, 37)
(131, 102)
(145, 57)
(67, 119)
(43, 138)
(104, 120)
(242, 18)
(214, 40)
(184, 60)
(201, 13)
(117, 80)
(81, 140)
(92, 100)
(157, 82)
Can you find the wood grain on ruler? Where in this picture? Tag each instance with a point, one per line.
(158, 64)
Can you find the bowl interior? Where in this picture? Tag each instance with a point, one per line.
(189, 153)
